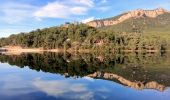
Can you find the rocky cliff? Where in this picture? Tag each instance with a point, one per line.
(132, 14)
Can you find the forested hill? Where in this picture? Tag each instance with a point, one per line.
(134, 34)
(54, 37)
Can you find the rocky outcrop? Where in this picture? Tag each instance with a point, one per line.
(133, 14)
(137, 85)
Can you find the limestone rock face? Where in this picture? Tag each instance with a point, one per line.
(133, 14)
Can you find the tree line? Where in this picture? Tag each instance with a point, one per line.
(81, 36)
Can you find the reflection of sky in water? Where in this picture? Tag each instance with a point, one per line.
(16, 83)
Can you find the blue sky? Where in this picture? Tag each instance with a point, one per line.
(26, 15)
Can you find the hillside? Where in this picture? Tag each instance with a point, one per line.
(139, 13)
(139, 30)
(144, 24)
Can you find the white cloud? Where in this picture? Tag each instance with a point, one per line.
(64, 88)
(88, 19)
(103, 1)
(13, 82)
(64, 9)
(103, 9)
(58, 87)
(89, 3)
(15, 12)
(53, 10)
(79, 10)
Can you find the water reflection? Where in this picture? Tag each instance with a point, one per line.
(136, 84)
(139, 71)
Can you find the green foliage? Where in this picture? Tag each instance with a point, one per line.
(107, 39)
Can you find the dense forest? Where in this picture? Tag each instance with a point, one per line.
(81, 36)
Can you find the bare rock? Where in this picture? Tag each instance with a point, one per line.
(132, 14)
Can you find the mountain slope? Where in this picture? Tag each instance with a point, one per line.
(159, 24)
(136, 14)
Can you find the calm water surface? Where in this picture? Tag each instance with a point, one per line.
(51, 76)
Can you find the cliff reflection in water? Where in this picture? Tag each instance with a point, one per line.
(139, 71)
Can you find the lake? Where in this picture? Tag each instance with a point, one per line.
(55, 76)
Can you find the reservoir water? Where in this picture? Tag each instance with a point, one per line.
(53, 76)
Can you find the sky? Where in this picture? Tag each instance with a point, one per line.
(26, 15)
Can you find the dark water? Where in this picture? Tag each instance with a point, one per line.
(51, 76)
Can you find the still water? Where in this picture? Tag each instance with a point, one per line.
(51, 76)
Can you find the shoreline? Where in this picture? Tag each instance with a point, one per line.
(18, 50)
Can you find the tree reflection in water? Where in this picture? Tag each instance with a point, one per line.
(140, 71)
